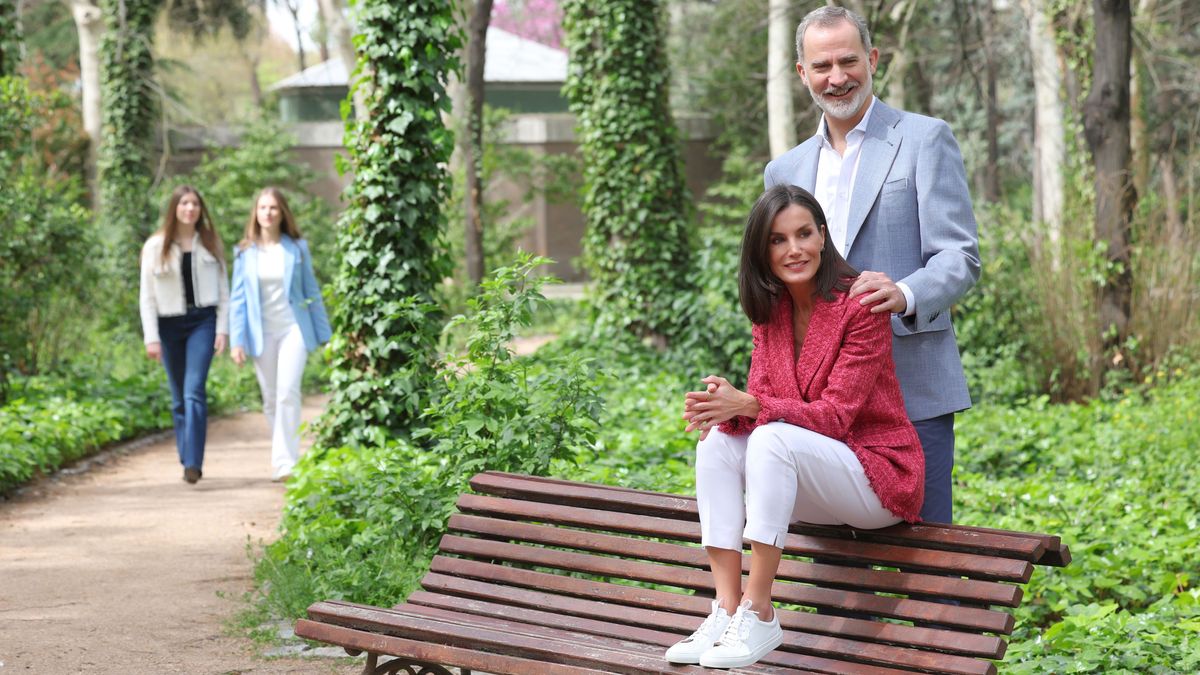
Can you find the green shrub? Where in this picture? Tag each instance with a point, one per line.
(362, 524)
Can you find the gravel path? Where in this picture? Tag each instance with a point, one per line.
(124, 568)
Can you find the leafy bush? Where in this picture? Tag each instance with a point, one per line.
(362, 523)
(47, 253)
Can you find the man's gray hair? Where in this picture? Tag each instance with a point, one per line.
(826, 17)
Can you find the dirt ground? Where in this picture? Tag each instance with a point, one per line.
(124, 568)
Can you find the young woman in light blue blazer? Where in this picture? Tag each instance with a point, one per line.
(276, 315)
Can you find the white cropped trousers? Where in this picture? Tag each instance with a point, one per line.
(754, 486)
(280, 369)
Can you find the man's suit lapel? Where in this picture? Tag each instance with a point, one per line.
(879, 149)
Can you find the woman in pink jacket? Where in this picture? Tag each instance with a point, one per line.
(820, 435)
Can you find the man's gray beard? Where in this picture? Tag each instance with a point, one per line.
(843, 110)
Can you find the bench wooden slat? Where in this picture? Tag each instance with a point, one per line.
(947, 562)
(837, 648)
(906, 583)
(660, 609)
(1039, 548)
(367, 641)
(579, 649)
(897, 608)
(499, 636)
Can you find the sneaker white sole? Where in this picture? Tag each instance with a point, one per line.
(709, 660)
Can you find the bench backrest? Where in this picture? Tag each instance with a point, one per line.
(568, 552)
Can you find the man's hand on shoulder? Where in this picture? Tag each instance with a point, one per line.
(877, 289)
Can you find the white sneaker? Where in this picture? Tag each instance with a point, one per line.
(745, 640)
(689, 649)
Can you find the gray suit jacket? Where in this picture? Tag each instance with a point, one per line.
(910, 218)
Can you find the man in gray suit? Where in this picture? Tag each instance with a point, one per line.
(894, 190)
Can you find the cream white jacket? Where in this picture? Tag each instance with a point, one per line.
(162, 292)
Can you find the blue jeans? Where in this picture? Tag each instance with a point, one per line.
(187, 352)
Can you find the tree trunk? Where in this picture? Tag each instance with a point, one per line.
(294, 7)
(323, 31)
(342, 33)
(473, 147)
(89, 26)
(897, 70)
(1050, 154)
(991, 170)
(1139, 139)
(781, 126)
(1106, 126)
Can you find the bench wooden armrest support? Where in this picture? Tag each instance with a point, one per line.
(534, 576)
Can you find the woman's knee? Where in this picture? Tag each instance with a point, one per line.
(719, 450)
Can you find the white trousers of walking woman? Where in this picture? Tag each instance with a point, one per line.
(753, 486)
(280, 369)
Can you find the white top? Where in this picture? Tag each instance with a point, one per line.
(162, 293)
(835, 186)
(277, 314)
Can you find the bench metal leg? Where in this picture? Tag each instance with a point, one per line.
(403, 665)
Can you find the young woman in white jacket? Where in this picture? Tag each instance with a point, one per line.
(278, 317)
(184, 303)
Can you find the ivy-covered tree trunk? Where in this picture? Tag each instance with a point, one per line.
(1106, 126)
(128, 106)
(10, 37)
(635, 200)
(391, 234)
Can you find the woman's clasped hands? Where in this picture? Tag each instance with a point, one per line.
(717, 403)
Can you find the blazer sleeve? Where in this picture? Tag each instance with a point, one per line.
(223, 301)
(757, 385)
(237, 304)
(147, 302)
(864, 353)
(312, 294)
(949, 235)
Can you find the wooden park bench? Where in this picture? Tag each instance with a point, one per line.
(534, 576)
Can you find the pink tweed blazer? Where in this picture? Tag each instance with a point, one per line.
(843, 385)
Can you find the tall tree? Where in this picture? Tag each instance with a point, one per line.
(781, 72)
(1049, 132)
(342, 33)
(293, 7)
(391, 233)
(635, 199)
(1106, 127)
(472, 145)
(89, 24)
(128, 114)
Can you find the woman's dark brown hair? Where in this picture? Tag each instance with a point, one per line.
(758, 287)
(170, 224)
(253, 232)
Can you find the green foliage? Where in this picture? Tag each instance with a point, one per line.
(46, 253)
(128, 116)
(10, 38)
(635, 198)
(52, 420)
(362, 523)
(390, 237)
(229, 178)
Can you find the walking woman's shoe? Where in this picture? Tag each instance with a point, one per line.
(191, 474)
(746, 640)
(689, 649)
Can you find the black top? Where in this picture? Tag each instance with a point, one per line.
(185, 269)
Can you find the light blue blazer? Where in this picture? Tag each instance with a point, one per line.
(304, 295)
(910, 217)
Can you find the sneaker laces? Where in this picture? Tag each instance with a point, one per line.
(738, 628)
(705, 627)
